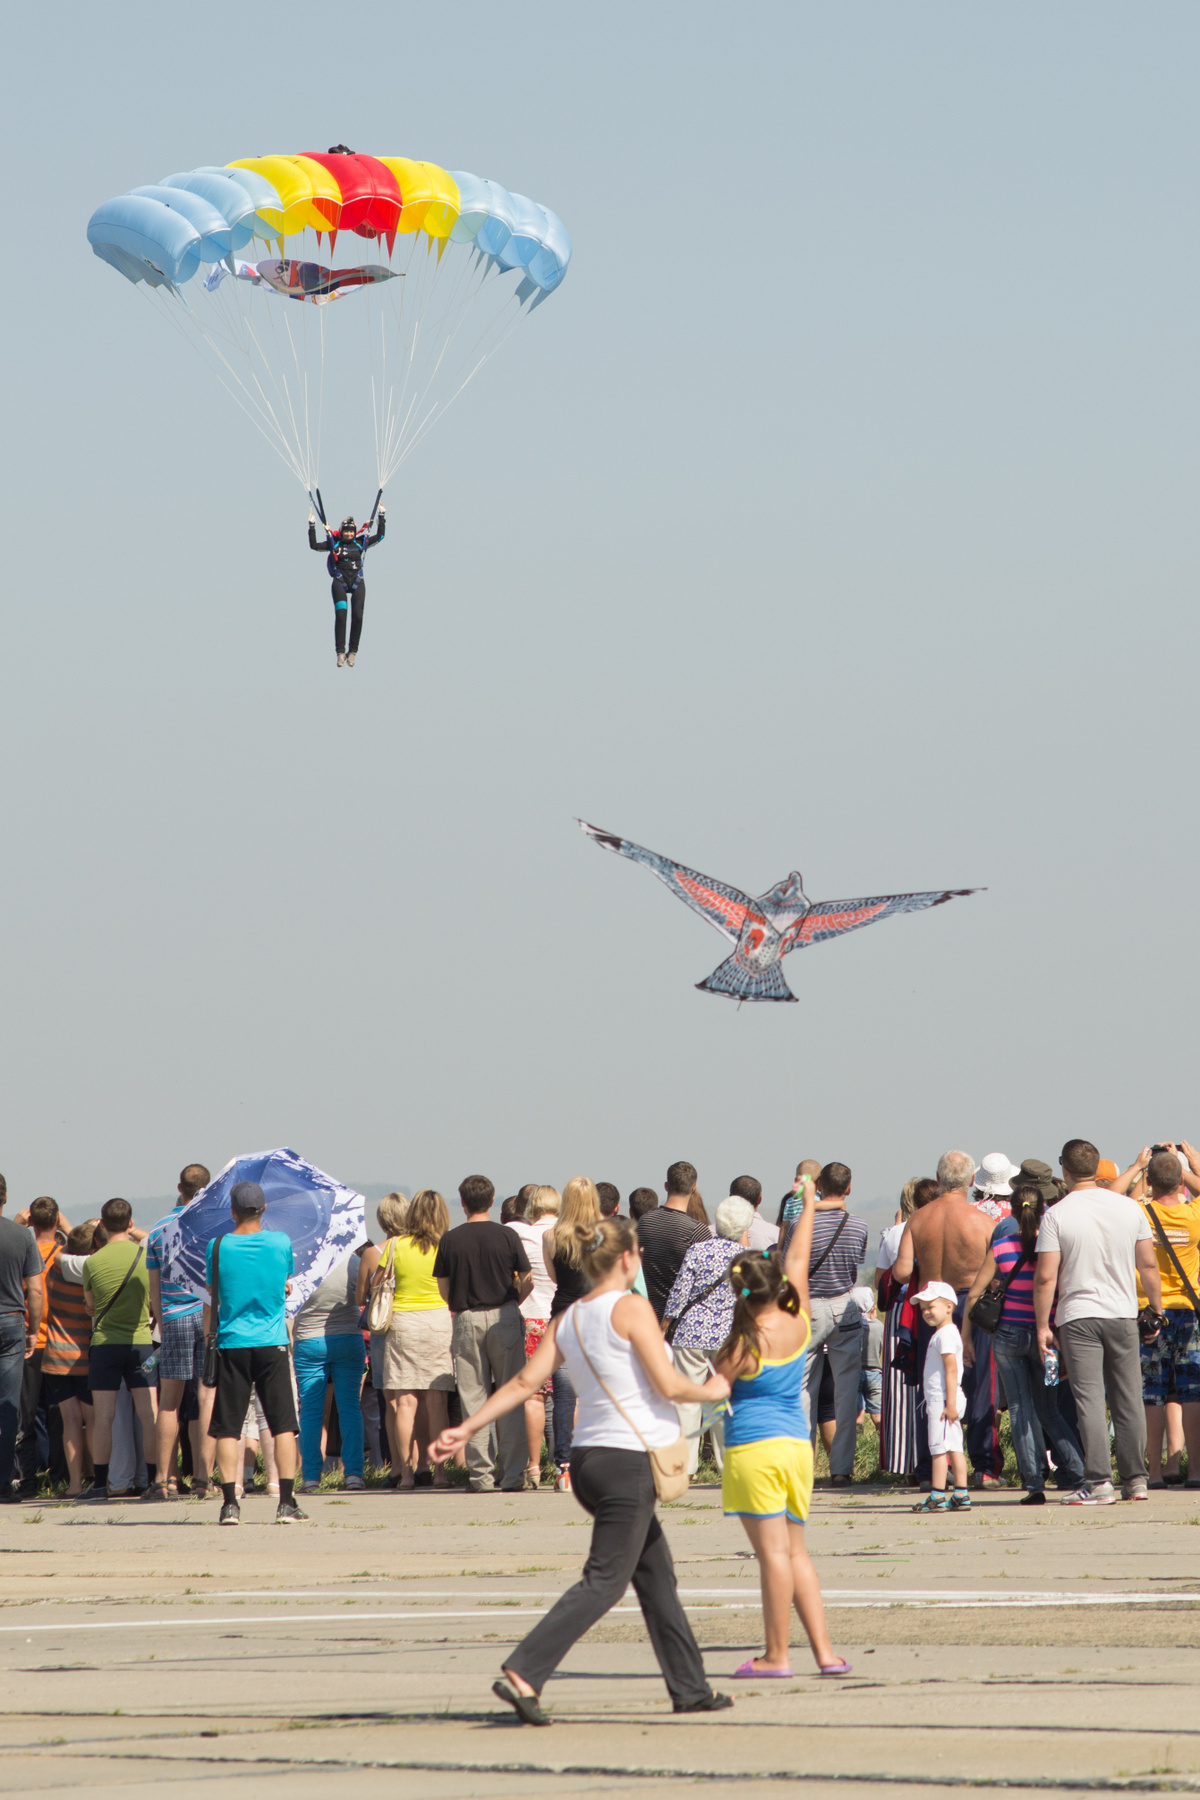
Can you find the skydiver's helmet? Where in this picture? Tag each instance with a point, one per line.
(348, 528)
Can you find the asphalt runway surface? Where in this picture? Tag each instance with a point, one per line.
(1041, 1650)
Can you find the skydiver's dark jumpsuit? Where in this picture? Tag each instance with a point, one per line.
(344, 562)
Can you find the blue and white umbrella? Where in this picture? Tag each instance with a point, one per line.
(323, 1219)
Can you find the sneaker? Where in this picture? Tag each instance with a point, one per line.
(1101, 1494)
(355, 1484)
(1135, 1489)
(341, 659)
(562, 1482)
(1035, 1497)
(231, 1513)
(351, 657)
(288, 1513)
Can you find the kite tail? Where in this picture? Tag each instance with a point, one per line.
(739, 983)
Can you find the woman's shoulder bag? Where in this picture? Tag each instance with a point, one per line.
(985, 1314)
(382, 1303)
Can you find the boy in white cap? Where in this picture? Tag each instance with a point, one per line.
(945, 1402)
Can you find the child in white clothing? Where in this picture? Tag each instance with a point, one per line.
(945, 1402)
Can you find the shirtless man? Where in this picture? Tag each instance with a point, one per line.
(948, 1241)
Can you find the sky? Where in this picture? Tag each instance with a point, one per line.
(837, 514)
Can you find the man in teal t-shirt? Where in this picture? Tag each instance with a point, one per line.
(252, 1278)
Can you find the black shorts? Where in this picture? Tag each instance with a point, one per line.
(58, 1388)
(267, 1368)
(110, 1364)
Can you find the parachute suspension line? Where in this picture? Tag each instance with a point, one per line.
(287, 326)
(453, 303)
(248, 344)
(276, 440)
(406, 439)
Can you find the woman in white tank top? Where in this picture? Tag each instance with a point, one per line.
(608, 1340)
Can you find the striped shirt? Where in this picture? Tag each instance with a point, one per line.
(839, 1271)
(1006, 1248)
(68, 1326)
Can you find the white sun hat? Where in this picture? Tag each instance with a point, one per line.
(995, 1174)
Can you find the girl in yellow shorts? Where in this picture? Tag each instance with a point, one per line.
(768, 1475)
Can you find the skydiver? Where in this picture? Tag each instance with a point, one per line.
(346, 550)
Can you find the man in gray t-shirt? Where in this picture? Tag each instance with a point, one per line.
(839, 1246)
(22, 1299)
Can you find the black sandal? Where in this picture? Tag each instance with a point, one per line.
(524, 1705)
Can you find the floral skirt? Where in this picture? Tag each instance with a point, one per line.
(535, 1331)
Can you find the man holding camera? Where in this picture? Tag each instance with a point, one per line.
(1092, 1247)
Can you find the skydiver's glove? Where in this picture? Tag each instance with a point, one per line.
(312, 518)
(383, 512)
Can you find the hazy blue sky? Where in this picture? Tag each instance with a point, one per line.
(838, 514)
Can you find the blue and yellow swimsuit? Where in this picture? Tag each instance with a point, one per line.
(768, 1451)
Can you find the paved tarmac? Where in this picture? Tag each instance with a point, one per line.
(1042, 1649)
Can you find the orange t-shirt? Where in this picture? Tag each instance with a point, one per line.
(48, 1252)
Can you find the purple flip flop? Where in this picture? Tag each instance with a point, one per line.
(841, 1667)
(748, 1672)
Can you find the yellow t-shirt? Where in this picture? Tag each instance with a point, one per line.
(416, 1289)
(1182, 1226)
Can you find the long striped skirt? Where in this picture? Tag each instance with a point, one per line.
(898, 1452)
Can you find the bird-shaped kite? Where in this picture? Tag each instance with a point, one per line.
(766, 929)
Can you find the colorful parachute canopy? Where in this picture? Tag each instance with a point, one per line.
(431, 313)
(328, 192)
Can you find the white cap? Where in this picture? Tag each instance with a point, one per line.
(995, 1173)
(937, 1290)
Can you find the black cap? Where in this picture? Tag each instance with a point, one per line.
(247, 1196)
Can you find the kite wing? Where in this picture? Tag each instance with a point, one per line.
(833, 918)
(723, 906)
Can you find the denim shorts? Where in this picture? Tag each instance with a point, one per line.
(1173, 1360)
(870, 1392)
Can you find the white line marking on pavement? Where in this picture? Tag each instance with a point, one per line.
(847, 1597)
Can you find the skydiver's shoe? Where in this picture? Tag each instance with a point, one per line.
(351, 657)
(341, 659)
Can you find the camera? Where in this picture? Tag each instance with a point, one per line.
(1155, 1148)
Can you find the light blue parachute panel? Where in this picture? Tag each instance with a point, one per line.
(260, 191)
(548, 264)
(528, 230)
(474, 206)
(146, 232)
(230, 198)
(500, 222)
(216, 239)
(323, 1219)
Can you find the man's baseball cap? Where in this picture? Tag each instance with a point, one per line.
(247, 1196)
(937, 1290)
(1106, 1173)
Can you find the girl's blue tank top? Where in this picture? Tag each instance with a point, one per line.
(769, 1404)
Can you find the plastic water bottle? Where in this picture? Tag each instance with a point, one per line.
(1051, 1367)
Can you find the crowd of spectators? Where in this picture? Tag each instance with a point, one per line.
(102, 1352)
